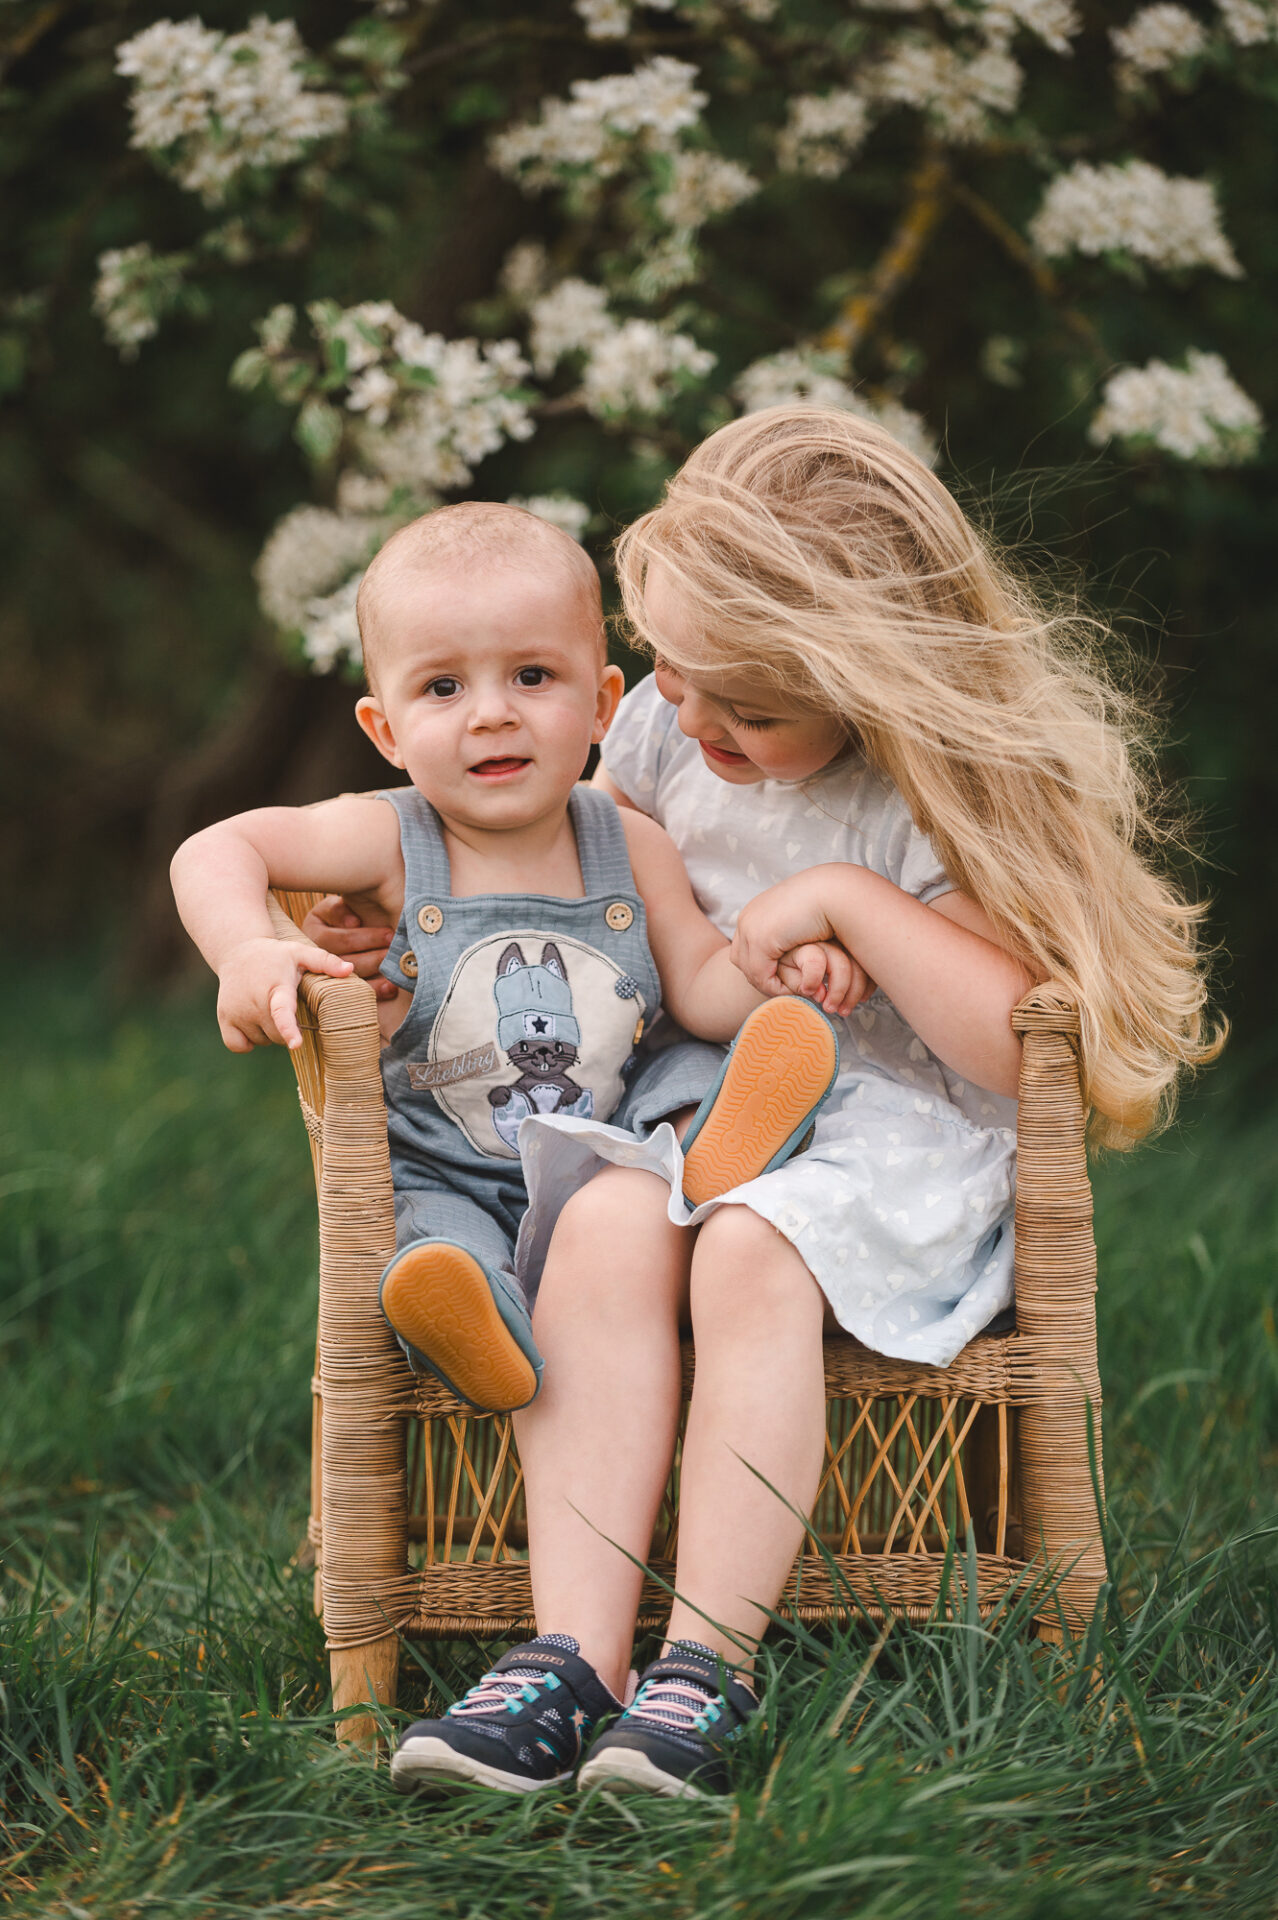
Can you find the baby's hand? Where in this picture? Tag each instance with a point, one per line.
(337, 928)
(257, 991)
(823, 971)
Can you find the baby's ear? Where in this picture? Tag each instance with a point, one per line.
(511, 960)
(552, 961)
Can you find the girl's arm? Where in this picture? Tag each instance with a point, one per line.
(700, 985)
(220, 881)
(940, 965)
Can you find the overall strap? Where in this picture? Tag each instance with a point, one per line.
(601, 842)
(421, 839)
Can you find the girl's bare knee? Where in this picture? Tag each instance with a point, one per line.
(744, 1269)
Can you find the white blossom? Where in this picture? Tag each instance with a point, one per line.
(134, 288)
(213, 104)
(572, 316)
(330, 631)
(425, 433)
(1054, 22)
(636, 367)
(702, 185)
(591, 128)
(1196, 412)
(807, 376)
(610, 19)
(956, 93)
(1248, 22)
(560, 509)
(1133, 208)
(1154, 39)
(821, 132)
(523, 271)
(310, 553)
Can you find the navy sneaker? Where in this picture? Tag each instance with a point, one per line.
(671, 1739)
(467, 1325)
(762, 1109)
(522, 1727)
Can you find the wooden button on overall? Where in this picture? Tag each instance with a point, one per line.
(430, 919)
(408, 966)
(619, 916)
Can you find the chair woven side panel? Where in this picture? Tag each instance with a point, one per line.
(496, 1601)
(1056, 1306)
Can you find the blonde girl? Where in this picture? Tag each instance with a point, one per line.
(861, 727)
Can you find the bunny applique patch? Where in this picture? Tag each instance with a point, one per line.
(533, 1022)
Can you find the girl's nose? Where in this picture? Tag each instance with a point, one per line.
(696, 715)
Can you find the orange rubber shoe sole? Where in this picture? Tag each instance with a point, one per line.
(438, 1299)
(782, 1066)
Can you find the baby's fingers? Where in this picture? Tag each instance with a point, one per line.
(281, 1023)
(844, 980)
(234, 1038)
(315, 960)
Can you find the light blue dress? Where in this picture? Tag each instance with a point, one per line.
(902, 1207)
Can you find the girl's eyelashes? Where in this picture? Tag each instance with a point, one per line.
(740, 720)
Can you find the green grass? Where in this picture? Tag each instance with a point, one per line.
(164, 1748)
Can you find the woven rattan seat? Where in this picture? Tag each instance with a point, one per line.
(416, 1504)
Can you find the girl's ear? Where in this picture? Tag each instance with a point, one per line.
(611, 687)
(373, 720)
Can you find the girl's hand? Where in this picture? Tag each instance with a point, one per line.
(785, 918)
(336, 927)
(823, 971)
(257, 991)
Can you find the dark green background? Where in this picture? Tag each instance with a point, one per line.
(140, 691)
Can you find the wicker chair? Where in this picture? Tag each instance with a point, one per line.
(416, 1507)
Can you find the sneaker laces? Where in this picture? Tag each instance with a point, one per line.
(498, 1690)
(680, 1705)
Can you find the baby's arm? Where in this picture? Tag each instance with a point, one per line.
(220, 881)
(700, 984)
(941, 965)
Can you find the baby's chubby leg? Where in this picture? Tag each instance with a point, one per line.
(596, 1445)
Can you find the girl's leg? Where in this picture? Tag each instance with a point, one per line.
(758, 1402)
(596, 1445)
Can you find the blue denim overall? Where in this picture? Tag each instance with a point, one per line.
(522, 1004)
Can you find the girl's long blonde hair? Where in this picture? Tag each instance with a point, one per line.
(810, 546)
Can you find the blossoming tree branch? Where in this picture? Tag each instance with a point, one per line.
(681, 135)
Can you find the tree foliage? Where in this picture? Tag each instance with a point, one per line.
(536, 253)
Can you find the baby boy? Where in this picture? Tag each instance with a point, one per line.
(538, 928)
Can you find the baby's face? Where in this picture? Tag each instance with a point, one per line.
(744, 729)
(490, 689)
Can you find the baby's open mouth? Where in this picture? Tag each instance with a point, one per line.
(498, 768)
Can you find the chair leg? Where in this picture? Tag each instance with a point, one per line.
(1062, 1525)
(368, 1674)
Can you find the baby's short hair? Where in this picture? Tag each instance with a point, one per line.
(473, 531)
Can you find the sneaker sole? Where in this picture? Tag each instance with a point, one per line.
(425, 1766)
(627, 1770)
(438, 1299)
(782, 1066)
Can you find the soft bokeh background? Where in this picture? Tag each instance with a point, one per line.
(881, 242)
(144, 691)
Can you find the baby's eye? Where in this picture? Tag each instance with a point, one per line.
(445, 687)
(531, 677)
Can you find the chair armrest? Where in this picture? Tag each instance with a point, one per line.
(362, 1372)
(1051, 1007)
(1055, 1249)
